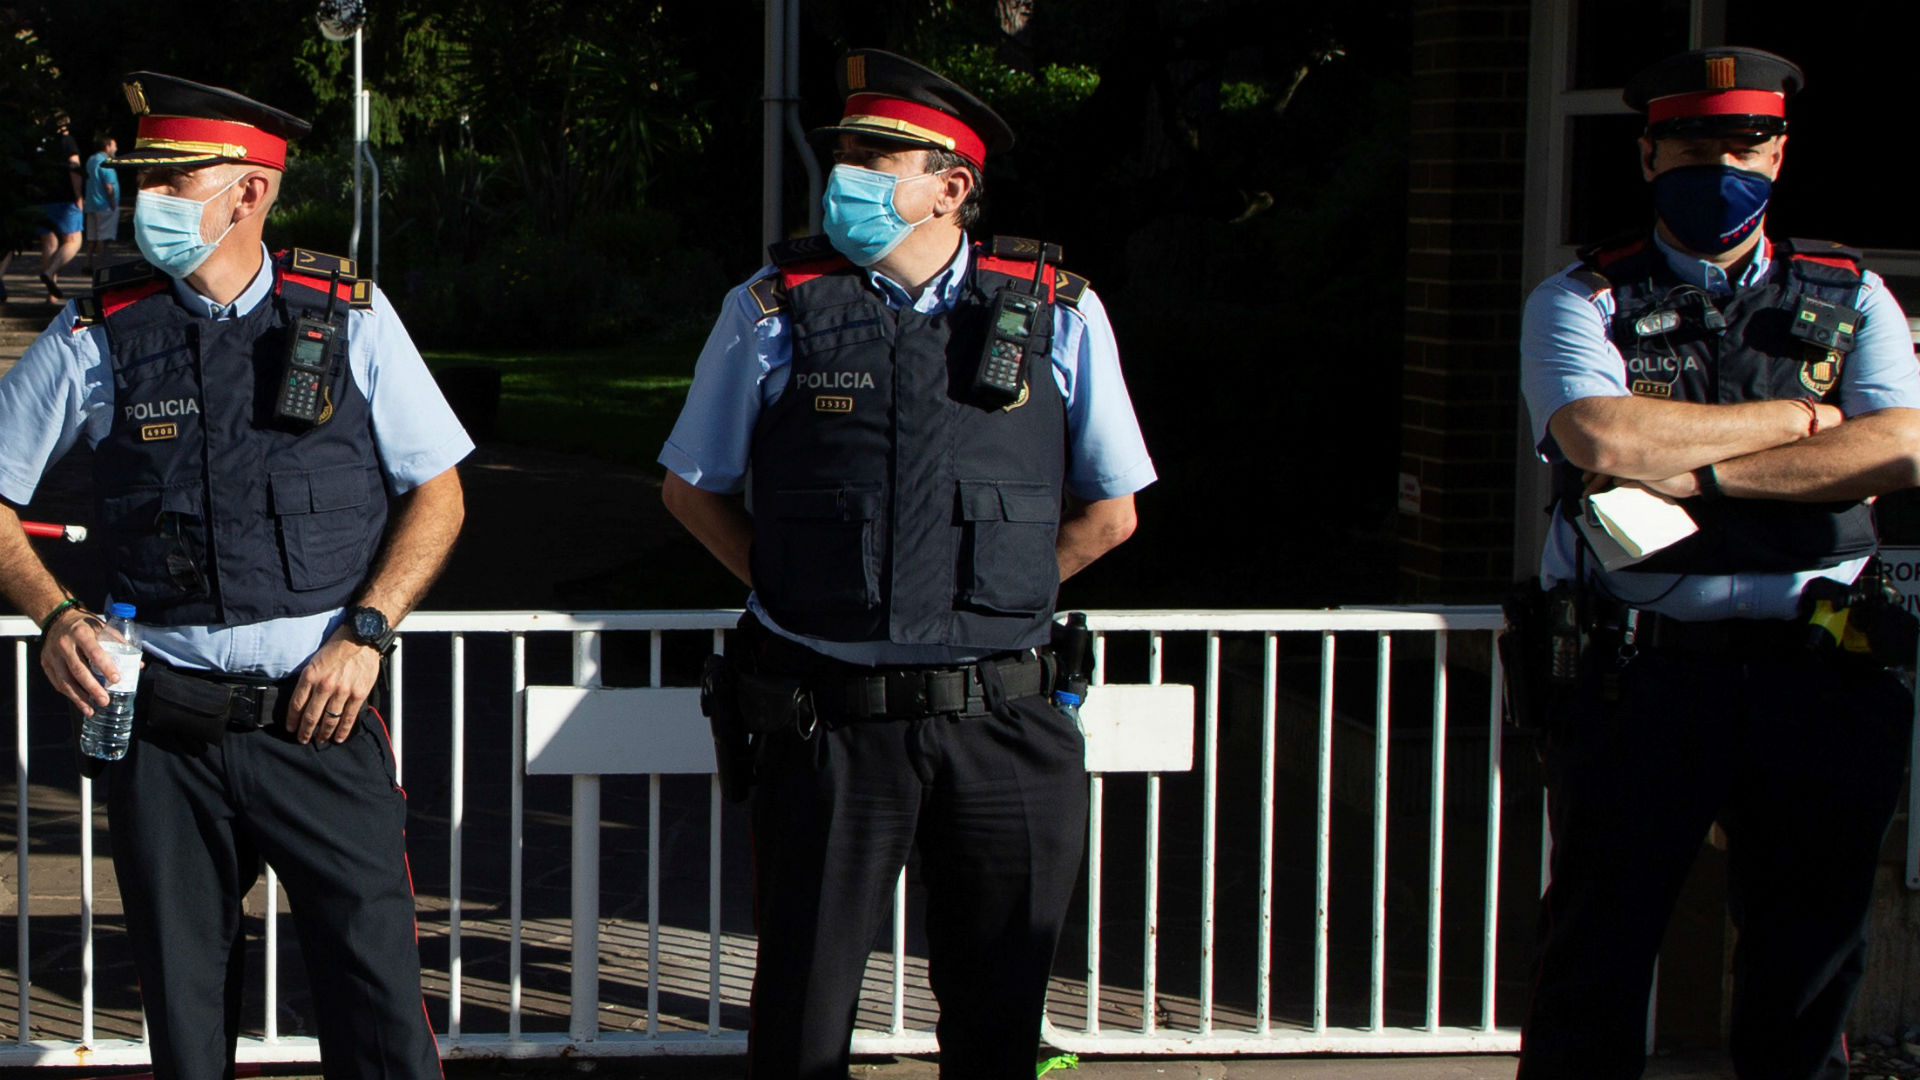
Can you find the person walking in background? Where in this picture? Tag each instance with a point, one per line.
(102, 203)
(62, 196)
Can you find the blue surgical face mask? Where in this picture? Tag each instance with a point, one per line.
(1711, 209)
(167, 228)
(860, 217)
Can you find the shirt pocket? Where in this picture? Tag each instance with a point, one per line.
(826, 547)
(1009, 562)
(323, 517)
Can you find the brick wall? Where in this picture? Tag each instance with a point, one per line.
(1468, 144)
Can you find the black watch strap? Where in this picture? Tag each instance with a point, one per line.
(1709, 483)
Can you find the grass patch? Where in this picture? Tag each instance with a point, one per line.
(616, 404)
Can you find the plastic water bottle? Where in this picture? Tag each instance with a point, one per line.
(106, 733)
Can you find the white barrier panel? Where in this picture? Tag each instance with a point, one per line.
(1145, 729)
(573, 731)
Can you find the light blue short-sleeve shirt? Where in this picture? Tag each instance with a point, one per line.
(747, 360)
(61, 390)
(1567, 353)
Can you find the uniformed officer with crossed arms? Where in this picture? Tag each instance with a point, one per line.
(906, 533)
(250, 526)
(1770, 386)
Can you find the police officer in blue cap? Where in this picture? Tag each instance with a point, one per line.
(251, 416)
(930, 434)
(1741, 675)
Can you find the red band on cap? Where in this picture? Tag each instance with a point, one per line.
(1717, 103)
(221, 138)
(965, 143)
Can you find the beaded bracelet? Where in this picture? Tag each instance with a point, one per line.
(59, 609)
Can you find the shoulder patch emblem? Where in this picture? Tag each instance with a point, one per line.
(767, 293)
(1821, 371)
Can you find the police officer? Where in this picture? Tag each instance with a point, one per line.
(1770, 386)
(250, 527)
(905, 538)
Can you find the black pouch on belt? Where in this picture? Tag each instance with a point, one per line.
(181, 705)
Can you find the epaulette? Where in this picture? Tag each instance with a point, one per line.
(114, 287)
(1821, 259)
(317, 271)
(1015, 256)
(1023, 249)
(1613, 250)
(801, 249)
(768, 294)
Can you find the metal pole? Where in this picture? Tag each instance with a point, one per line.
(359, 135)
(772, 127)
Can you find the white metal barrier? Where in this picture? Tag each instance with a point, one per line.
(1249, 981)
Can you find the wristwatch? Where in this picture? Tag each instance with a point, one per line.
(368, 626)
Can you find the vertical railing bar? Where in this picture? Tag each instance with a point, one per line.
(897, 1023)
(516, 850)
(396, 711)
(22, 840)
(713, 907)
(1096, 823)
(1209, 818)
(1490, 943)
(1150, 946)
(583, 1024)
(1269, 724)
(653, 862)
(456, 826)
(1437, 828)
(1323, 832)
(271, 1022)
(1096, 857)
(1913, 796)
(713, 883)
(1382, 750)
(86, 911)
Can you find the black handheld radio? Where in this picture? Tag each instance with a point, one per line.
(1000, 378)
(302, 401)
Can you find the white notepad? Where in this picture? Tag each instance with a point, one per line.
(1626, 524)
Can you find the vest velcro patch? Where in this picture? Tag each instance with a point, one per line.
(157, 432)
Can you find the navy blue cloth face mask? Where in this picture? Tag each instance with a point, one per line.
(1711, 208)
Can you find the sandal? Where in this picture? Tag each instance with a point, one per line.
(53, 290)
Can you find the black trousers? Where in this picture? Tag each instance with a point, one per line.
(192, 822)
(1799, 755)
(998, 806)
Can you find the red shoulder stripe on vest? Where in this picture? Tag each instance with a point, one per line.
(1614, 255)
(113, 300)
(1838, 262)
(342, 289)
(1019, 269)
(801, 273)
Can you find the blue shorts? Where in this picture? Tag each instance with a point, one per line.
(63, 218)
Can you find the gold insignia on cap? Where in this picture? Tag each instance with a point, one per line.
(136, 97)
(856, 73)
(1719, 72)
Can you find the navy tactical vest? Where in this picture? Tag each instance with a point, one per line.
(888, 507)
(208, 513)
(1755, 358)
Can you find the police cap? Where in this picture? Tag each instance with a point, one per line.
(185, 125)
(1721, 91)
(892, 99)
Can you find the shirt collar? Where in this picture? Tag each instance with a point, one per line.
(1699, 272)
(940, 294)
(248, 299)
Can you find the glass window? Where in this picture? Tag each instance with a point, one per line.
(1605, 192)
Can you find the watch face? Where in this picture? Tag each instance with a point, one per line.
(368, 625)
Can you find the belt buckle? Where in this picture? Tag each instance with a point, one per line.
(250, 708)
(906, 693)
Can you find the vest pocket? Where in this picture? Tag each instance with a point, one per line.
(155, 540)
(1010, 526)
(323, 517)
(828, 547)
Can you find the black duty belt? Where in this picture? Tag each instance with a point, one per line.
(240, 702)
(886, 695)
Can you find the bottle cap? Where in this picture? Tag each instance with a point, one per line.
(121, 611)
